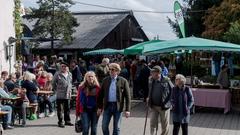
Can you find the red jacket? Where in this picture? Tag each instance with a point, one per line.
(79, 105)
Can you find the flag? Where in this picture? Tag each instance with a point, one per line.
(179, 16)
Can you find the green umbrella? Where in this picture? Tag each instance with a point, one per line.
(138, 48)
(107, 51)
(190, 43)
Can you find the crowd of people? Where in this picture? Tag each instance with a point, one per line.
(101, 89)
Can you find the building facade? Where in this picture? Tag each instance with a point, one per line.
(7, 30)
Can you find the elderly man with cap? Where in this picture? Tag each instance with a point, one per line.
(114, 96)
(160, 88)
(62, 85)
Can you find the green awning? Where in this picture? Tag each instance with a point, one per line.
(138, 48)
(190, 43)
(107, 51)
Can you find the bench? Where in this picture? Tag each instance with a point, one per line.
(29, 107)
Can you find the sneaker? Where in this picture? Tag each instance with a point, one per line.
(51, 114)
(23, 125)
(68, 124)
(9, 127)
(61, 125)
(41, 115)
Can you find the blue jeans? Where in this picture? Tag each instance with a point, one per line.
(7, 108)
(110, 111)
(89, 118)
(53, 98)
(43, 101)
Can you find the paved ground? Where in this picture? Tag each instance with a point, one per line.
(48, 126)
(205, 122)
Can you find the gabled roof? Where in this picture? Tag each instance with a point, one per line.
(94, 26)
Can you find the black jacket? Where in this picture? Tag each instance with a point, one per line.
(76, 75)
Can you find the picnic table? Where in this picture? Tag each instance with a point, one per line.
(44, 92)
(3, 113)
(10, 98)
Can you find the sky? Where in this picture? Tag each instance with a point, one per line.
(153, 24)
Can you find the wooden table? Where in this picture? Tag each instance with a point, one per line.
(11, 99)
(209, 86)
(3, 113)
(44, 92)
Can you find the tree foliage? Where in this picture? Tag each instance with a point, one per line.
(218, 19)
(194, 11)
(18, 27)
(53, 20)
(17, 18)
(233, 34)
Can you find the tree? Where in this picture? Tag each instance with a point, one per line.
(17, 24)
(233, 34)
(194, 11)
(53, 20)
(218, 19)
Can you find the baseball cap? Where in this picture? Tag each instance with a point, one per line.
(156, 69)
(65, 63)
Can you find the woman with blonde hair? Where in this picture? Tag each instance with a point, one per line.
(31, 93)
(86, 102)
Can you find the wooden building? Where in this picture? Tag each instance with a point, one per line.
(99, 30)
(7, 32)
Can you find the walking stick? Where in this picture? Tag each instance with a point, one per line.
(157, 128)
(145, 121)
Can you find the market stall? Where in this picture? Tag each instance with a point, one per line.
(218, 98)
(205, 95)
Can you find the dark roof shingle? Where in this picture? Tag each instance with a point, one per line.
(94, 26)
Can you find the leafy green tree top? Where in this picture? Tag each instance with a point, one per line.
(233, 33)
(53, 20)
(218, 19)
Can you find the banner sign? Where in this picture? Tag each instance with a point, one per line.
(179, 16)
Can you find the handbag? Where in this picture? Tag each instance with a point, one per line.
(78, 125)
